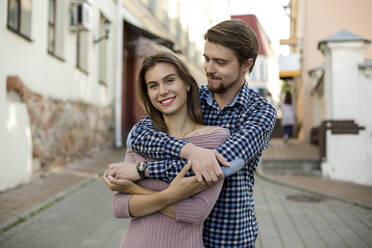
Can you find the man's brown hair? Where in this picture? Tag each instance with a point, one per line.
(193, 99)
(236, 35)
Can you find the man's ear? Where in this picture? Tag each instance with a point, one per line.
(247, 65)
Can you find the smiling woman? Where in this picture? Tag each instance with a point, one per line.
(165, 84)
(170, 95)
(167, 92)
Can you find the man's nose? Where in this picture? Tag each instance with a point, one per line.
(209, 67)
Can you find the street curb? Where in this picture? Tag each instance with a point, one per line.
(268, 179)
(35, 210)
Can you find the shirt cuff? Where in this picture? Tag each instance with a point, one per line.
(235, 166)
(175, 148)
(156, 169)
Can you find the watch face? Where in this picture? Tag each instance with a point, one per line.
(141, 167)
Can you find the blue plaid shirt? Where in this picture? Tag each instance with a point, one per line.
(250, 119)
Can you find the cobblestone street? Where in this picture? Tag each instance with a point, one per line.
(82, 217)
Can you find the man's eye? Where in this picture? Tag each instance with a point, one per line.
(221, 62)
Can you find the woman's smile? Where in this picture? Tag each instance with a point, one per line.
(168, 101)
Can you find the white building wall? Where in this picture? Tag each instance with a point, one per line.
(15, 145)
(347, 158)
(319, 109)
(346, 57)
(348, 93)
(366, 80)
(49, 76)
(274, 84)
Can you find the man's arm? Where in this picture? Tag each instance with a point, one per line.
(148, 141)
(252, 137)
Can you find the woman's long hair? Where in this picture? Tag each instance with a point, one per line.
(193, 99)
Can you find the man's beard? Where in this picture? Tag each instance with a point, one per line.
(222, 87)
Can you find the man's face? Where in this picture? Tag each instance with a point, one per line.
(222, 68)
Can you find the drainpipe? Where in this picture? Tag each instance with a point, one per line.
(118, 76)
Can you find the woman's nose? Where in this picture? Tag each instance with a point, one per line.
(163, 89)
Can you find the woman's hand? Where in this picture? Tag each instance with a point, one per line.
(119, 185)
(123, 170)
(183, 187)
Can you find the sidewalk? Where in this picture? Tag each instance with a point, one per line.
(349, 192)
(72, 208)
(53, 185)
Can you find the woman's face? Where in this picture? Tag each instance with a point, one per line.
(167, 91)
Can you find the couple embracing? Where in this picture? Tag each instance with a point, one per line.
(188, 175)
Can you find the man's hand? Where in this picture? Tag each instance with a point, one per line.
(183, 187)
(123, 171)
(205, 163)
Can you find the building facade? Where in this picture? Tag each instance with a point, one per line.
(342, 98)
(311, 21)
(264, 76)
(67, 72)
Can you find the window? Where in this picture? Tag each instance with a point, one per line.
(19, 17)
(166, 19)
(52, 27)
(82, 45)
(262, 71)
(152, 5)
(102, 53)
(253, 73)
(178, 30)
(57, 27)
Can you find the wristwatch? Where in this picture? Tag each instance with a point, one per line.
(141, 168)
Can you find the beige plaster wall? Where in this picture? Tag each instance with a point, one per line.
(320, 20)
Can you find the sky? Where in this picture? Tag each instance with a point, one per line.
(271, 15)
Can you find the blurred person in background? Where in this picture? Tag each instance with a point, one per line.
(288, 117)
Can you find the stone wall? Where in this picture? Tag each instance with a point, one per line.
(62, 130)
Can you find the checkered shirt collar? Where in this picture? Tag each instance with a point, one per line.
(242, 98)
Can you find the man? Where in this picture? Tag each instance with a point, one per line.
(230, 52)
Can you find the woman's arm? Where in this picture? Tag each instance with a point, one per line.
(140, 205)
(125, 190)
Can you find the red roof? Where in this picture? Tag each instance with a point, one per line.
(253, 22)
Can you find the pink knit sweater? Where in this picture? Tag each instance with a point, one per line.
(160, 231)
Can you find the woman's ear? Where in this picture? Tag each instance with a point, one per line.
(188, 88)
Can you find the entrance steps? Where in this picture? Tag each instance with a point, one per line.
(292, 158)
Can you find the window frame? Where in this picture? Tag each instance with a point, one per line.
(78, 53)
(52, 52)
(18, 29)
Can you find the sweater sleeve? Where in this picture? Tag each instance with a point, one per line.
(197, 208)
(120, 205)
(120, 201)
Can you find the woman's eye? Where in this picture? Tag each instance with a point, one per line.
(151, 86)
(170, 80)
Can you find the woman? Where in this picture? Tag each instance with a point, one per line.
(288, 117)
(170, 96)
